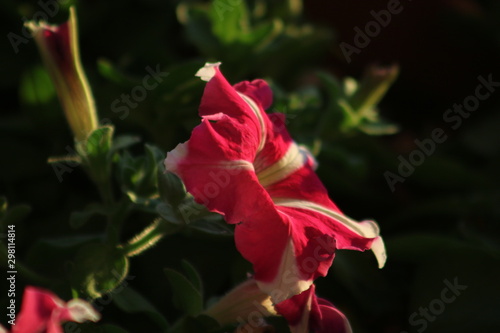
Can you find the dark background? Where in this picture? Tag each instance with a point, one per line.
(441, 224)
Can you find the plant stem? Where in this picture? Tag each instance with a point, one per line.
(147, 238)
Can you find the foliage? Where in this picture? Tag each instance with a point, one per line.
(101, 220)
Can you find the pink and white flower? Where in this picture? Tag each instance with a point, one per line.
(245, 166)
(43, 312)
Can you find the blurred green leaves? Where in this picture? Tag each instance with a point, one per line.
(442, 223)
(245, 40)
(36, 88)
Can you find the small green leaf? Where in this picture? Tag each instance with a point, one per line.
(229, 20)
(193, 275)
(167, 212)
(99, 268)
(215, 227)
(131, 301)
(95, 153)
(170, 187)
(124, 141)
(186, 296)
(99, 142)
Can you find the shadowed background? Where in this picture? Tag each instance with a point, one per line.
(440, 225)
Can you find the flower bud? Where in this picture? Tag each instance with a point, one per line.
(58, 45)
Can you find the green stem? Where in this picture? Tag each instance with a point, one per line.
(147, 238)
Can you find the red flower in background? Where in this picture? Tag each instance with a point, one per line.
(241, 164)
(43, 312)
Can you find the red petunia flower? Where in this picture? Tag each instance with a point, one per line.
(305, 312)
(242, 163)
(43, 312)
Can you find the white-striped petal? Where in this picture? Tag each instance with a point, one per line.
(258, 114)
(367, 228)
(288, 281)
(293, 160)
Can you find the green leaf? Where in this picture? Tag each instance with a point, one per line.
(168, 213)
(138, 175)
(98, 269)
(131, 301)
(229, 20)
(170, 187)
(124, 141)
(186, 296)
(96, 153)
(193, 275)
(99, 142)
(215, 227)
